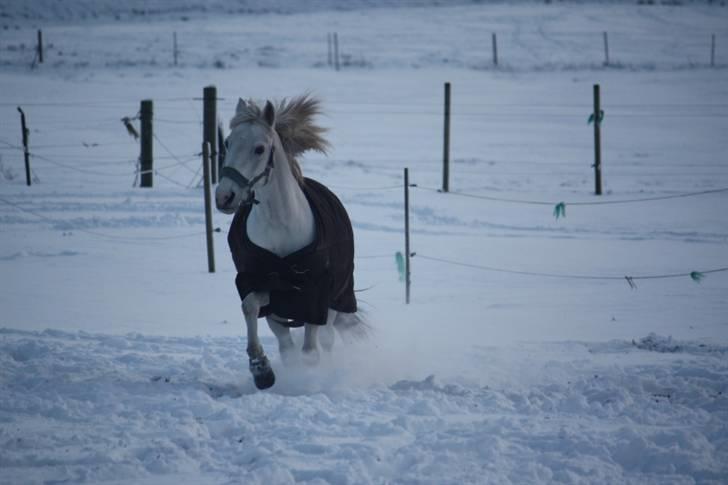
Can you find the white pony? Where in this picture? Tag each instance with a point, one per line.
(291, 239)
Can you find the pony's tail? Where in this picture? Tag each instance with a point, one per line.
(353, 327)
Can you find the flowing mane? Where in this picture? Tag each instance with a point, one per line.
(294, 125)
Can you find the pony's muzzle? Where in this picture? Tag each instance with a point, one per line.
(224, 201)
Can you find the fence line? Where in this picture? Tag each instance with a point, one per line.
(85, 103)
(180, 162)
(157, 171)
(374, 256)
(74, 145)
(135, 172)
(185, 163)
(92, 158)
(523, 116)
(562, 204)
(463, 161)
(77, 169)
(352, 187)
(177, 122)
(530, 49)
(11, 145)
(696, 276)
(526, 106)
(435, 109)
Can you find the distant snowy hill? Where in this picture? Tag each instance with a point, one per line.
(57, 10)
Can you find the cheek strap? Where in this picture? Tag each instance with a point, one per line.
(240, 179)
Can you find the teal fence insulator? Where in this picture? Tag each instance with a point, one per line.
(399, 257)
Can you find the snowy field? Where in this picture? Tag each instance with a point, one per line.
(122, 360)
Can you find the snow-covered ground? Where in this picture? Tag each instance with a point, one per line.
(123, 361)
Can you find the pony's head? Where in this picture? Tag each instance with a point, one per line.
(249, 155)
(255, 134)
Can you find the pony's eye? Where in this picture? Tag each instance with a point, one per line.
(259, 150)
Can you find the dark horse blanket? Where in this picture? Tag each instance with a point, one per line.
(306, 283)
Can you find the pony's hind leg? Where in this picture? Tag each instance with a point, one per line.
(310, 347)
(258, 363)
(351, 327)
(327, 336)
(283, 335)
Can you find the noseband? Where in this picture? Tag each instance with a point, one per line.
(240, 179)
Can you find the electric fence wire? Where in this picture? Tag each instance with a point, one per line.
(84, 104)
(157, 171)
(177, 122)
(80, 170)
(11, 145)
(374, 256)
(101, 234)
(197, 179)
(175, 157)
(356, 188)
(695, 275)
(581, 203)
(492, 110)
(169, 179)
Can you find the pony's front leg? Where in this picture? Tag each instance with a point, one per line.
(285, 342)
(259, 364)
(326, 332)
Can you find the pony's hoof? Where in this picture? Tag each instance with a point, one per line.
(288, 355)
(264, 381)
(263, 375)
(311, 357)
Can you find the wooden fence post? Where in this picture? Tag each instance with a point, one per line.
(606, 49)
(494, 43)
(329, 58)
(206, 172)
(174, 47)
(26, 153)
(40, 46)
(336, 50)
(597, 142)
(446, 143)
(221, 144)
(712, 50)
(146, 158)
(209, 127)
(407, 281)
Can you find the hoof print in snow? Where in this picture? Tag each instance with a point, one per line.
(219, 391)
(657, 343)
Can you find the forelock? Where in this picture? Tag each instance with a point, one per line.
(251, 114)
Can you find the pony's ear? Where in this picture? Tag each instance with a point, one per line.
(242, 106)
(269, 114)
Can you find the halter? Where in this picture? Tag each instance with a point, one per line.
(244, 182)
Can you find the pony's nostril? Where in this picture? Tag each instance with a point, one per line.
(229, 199)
